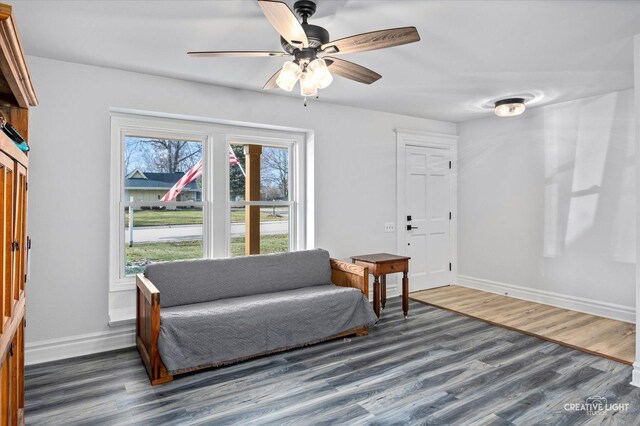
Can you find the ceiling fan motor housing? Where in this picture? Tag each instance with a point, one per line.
(316, 35)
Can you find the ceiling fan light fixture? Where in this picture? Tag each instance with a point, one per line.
(305, 41)
(308, 85)
(289, 74)
(320, 72)
(509, 107)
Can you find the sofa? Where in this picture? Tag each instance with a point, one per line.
(211, 312)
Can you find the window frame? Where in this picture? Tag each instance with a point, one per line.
(182, 136)
(216, 136)
(291, 146)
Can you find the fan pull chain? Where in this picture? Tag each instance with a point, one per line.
(305, 101)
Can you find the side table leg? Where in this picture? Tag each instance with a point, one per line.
(383, 285)
(405, 294)
(376, 296)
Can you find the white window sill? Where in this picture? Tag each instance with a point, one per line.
(122, 307)
(121, 317)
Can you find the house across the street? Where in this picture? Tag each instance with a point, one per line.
(148, 186)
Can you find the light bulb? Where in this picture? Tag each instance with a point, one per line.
(320, 72)
(509, 107)
(308, 85)
(288, 76)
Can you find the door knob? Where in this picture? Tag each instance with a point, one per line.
(409, 227)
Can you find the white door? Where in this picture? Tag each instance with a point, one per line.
(428, 201)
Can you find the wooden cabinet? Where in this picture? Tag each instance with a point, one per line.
(12, 381)
(16, 96)
(13, 203)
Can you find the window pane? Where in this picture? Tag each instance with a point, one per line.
(236, 172)
(161, 234)
(237, 231)
(274, 229)
(274, 173)
(152, 167)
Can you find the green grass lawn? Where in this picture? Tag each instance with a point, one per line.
(193, 217)
(268, 244)
(138, 256)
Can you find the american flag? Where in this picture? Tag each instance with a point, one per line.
(192, 174)
(233, 160)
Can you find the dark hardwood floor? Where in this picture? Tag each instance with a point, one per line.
(436, 367)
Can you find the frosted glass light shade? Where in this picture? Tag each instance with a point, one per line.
(320, 72)
(308, 86)
(510, 107)
(288, 76)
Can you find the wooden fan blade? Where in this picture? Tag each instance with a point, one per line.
(373, 40)
(271, 84)
(237, 54)
(285, 22)
(351, 71)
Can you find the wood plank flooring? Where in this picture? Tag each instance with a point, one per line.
(436, 367)
(596, 335)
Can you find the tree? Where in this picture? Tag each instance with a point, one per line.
(236, 177)
(274, 170)
(171, 156)
(131, 149)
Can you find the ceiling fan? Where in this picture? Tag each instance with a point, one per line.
(310, 46)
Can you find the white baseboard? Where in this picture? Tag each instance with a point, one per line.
(84, 344)
(580, 304)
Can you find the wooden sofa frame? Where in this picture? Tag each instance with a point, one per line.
(148, 319)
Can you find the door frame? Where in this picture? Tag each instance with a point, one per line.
(404, 138)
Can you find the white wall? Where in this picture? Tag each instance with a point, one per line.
(69, 183)
(547, 204)
(636, 67)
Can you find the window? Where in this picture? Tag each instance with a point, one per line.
(189, 189)
(161, 200)
(265, 209)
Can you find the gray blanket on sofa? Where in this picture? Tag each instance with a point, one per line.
(232, 329)
(218, 311)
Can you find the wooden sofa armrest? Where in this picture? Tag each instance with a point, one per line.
(148, 290)
(347, 274)
(148, 329)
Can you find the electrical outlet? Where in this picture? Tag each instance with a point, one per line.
(389, 227)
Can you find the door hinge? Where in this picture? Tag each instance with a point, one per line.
(26, 185)
(450, 266)
(25, 278)
(449, 164)
(28, 243)
(449, 215)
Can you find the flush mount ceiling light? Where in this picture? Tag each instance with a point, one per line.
(509, 107)
(309, 45)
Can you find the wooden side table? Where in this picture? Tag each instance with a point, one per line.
(381, 264)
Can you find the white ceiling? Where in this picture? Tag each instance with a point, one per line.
(471, 52)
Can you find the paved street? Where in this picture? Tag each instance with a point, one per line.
(194, 232)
